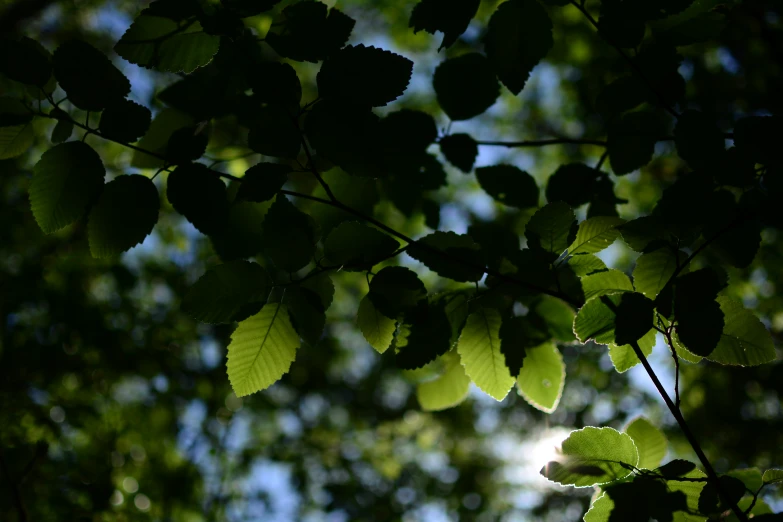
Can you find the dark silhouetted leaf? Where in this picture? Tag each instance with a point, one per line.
(376, 328)
(396, 290)
(200, 196)
(290, 235)
(262, 181)
(307, 312)
(623, 94)
(88, 77)
(465, 86)
(165, 123)
(125, 121)
(461, 259)
(358, 246)
(66, 181)
(509, 185)
(495, 240)
(759, 137)
(573, 183)
(364, 76)
(240, 235)
(710, 501)
(519, 35)
(123, 216)
(676, 468)
(220, 294)
(451, 17)
(516, 334)
(186, 144)
(308, 33)
(276, 83)
(699, 317)
(274, 133)
(424, 340)
(460, 150)
(642, 232)
(245, 8)
(699, 140)
(633, 319)
(62, 131)
(631, 141)
(26, 61)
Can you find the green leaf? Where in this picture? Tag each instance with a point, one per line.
(356, 245)
(607, 282)
(552, 228)
(308, 33)
(711, 502)
(692, 491)
(262, 181)
(773, 476)
(15, 140)
(596, 321)
(751, 477)
(66, 181)
(519, 35)
(542, 377)
(448, 389)
(156, 140)
(465, 86)
(274, 133)
(623, 356)
(376, 328)
(631, 141)
(262, 349)
(88, 77)
(574, 183)
(700, 320)
(163, 44)
(634, 318)
(364, 76)
(62, 131)
(125, 121)
(290, 235)
(516, 334)
(595, 234)
(479, 350)
(654, 269)
(558, 317)
(200, 196)
(396, 290)
(509, 185)
(593, 456)
(585, 264)
(650, 442)
(423, 337)
(451, 17)
(461, 260)
(744, 341)
(698, 139)
(221, 293)
(123, 216)
(460, 150)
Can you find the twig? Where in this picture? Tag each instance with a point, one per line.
(602, 159)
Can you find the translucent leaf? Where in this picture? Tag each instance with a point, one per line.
(552, 228)
(221, 293)
(751, 477)
(509, 185)
(654, 269)
(200, 196)
(600, 509)
(262, 181)
(123, 216)
(595, 234)
(308, 32)
(542, 378)
(558, 317)
(87, 76)
(125, 121)
(66, 180)
(465, 86)
(698, 139)
(744, 341)
(423, 337)
(585, 264)
(156, 140)
(455, 248)
(364, 76)
(692, 492)
(650, 442)
(377, 329)
(773, 476)
(593, 456)
(460, 150)
(634, 317)
(607, 282)
(519, 35)
(451, 17)
(479, 350)
(596, 321)
(15, 140)
(574, 184)
(396, 290)
(624, 357)
(289, 235)
(352, 243)
(262, 349)
(167, 45)
(448, 389)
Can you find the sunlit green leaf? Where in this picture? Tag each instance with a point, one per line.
(448, 389)
(479, 350)
(377, 329)
(650, 442)
(607, 282)
(595, 234)
(624, 357)
(542, 377)
(745, 341)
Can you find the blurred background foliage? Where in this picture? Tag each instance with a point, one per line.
(115, 406)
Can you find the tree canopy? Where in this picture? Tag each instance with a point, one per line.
(373, 260)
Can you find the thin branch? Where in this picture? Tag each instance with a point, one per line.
(677, 414)
(542, 143)
(627, 58)
(602, 159)
(668, 336)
